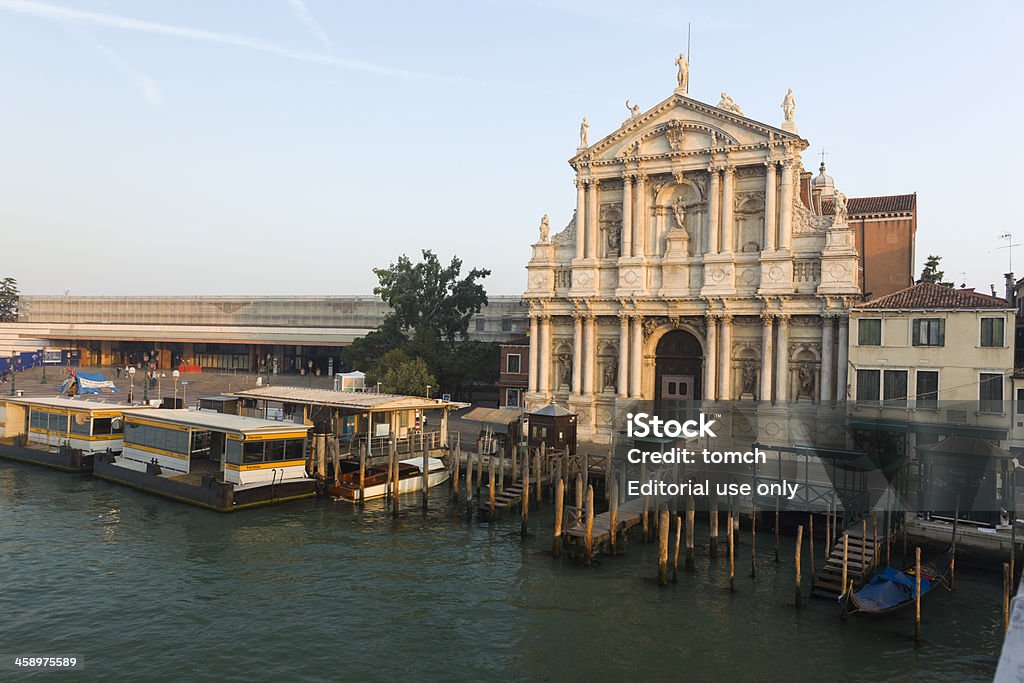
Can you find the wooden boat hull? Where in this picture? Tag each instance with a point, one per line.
(376, 484)
(936, 570)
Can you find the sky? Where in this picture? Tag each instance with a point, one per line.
(291, 146)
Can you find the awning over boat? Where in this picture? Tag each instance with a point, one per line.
(493, 416)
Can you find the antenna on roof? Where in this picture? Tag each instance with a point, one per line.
(1008, 236)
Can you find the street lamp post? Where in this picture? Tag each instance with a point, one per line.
(145, 386)
(160, 386)
(42, 360)
(131, 384)
(176, 374)
(311, 372)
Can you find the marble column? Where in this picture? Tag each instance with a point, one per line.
(842, 358)
(786, 210)
(636, 358)
(770, 211)
(711, 359)
(534, 346)
(589, 354)
(766, 356)
(725, 369)
(581, 218)
(714, 211)
(577, 352)
(728, 187)
(622, 382)
(593, 225)
(640, 219)
(544, 378)
(627, 216)
(827, 336)
(782, 360)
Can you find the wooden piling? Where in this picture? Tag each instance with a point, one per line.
(393, 458)
(828, 528)
(690, 514)
(469, 486)
(675, 560)
(732, 554)
(888, 535)
(797, 595)
(917, 597)
(456, 465)
(501, 468)
(490, 488)
(556, 541)
(810, 538)
(753, 540)
(663, 526)
(589, 557)
(579, 500)
(713, 531)
(362, 473)
(874, 542)
(613, 528)
(644, 522)
(863, 544)
(846, 551)
(777, 528)
(524, 524)
(952, 559)
(539, 489)
(1007, 580)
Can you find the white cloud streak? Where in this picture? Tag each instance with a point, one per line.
(152, 94)
(306, 17)
(87, 18)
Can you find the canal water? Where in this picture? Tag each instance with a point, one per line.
(149, 589)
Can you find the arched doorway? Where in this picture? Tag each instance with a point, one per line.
(678, 367)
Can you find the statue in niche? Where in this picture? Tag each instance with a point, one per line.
(679, 213)
(565, 361)
(748, 379)
(683, 75)
(584, 132)
(614, 239)
(714, 139)
(806, 379)
(545, 229)
(728, 104)
(841, 212)
(611, 367)
(634, 110)
(789, 106)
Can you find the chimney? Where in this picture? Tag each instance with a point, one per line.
(1009, 289)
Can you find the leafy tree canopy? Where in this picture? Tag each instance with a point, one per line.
(429, 300)
(404, 375)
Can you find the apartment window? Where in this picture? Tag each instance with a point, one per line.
(929, 332)
(1020, 401)
(513, 362)
(481, 323)
(992, 331)
(868, 386)
(512, 398)
(869, 332)
(990, 392)
(506, 324)
(894, 388)
(927, 389)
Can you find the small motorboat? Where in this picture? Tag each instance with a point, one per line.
(376, 482)
(891, 589)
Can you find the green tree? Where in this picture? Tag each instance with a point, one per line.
(8, 300)
(410, 376)
(931, 272)
(430, 300)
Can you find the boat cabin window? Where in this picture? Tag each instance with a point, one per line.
(256, 452)
(107, 425)
(80, 423)
(173, 440)
(52, 422)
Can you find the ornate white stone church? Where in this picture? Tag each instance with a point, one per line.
(698, 265)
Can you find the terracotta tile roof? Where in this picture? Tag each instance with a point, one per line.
(927, 295)
(873, 206)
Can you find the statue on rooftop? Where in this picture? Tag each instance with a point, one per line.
(634, 110)
(584, 132)
(728, 104)
(684, 72)
(789, 105)
(841, 212)
(545, 228)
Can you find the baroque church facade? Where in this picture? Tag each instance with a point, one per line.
(698, 265)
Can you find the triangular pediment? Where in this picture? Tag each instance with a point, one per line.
(681, 125)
